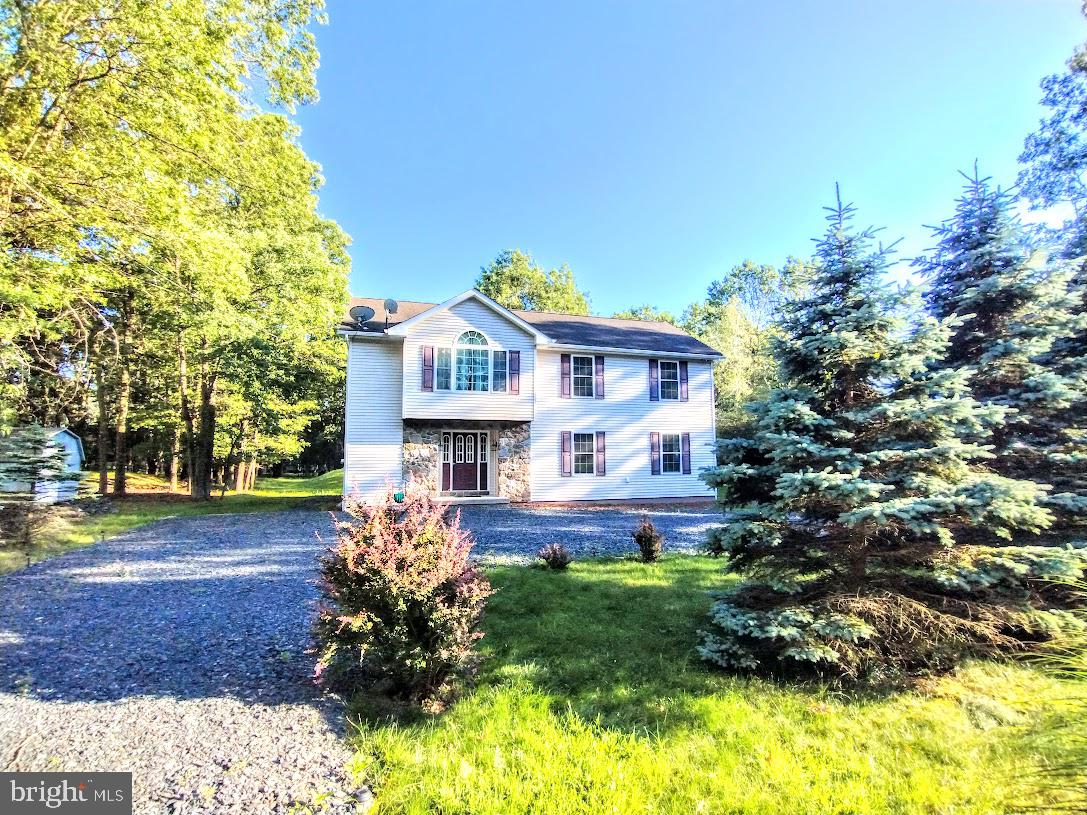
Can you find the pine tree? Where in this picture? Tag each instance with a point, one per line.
(847, 502)
(1022, 334)
(28, 460)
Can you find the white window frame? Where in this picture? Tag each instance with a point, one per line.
(574, 453)
(497, 354)
(575, 376)
(439, 352)
(662, 379)
(677, 453)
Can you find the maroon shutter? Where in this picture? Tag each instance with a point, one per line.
(654, 381)
(567, 454)
(683, 380)
(599, 371)
(564, 373)
(428, 367)
(685, 450)
(655, 453)
(600, 468)
(515, 371)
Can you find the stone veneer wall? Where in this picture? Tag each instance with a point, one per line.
(422, 449)
(514, 458)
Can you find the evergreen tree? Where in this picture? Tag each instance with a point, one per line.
(29, 460)
(1018, 328)
(847, 502)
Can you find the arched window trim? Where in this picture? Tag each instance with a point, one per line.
(471, 343)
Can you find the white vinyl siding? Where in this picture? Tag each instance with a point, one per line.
(627, 417)
(373, 430)
(442, 330)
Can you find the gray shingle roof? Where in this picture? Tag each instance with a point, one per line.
(565, 329)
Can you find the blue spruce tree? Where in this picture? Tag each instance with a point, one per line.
(1022, 332)
(848, 502)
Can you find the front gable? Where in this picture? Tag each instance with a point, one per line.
(470, 306)
(427, 335)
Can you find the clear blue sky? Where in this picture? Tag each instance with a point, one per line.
(652, 145)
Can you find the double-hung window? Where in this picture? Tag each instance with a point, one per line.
(669, 379)
(498, 372)
(583, 376)
(584, 454)
(443, 372)
(671, 451)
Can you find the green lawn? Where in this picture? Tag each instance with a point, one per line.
(590, 700)
(151, 501)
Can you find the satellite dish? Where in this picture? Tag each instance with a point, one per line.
(391, 306)
(362, 314)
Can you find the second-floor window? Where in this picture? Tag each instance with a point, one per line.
(498, 371)
(443, 372)
(669, 379)
(583, 376)
(473, 362)
(470, 364)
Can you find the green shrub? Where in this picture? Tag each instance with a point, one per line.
(650, 541)
(402, 603)
(555, 556)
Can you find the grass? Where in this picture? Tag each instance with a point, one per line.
(590, 700)
(151, 500)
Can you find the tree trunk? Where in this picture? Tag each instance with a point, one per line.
(204, 448)
(103, 433)
(251, 474)
(124, 389)
(171, 463)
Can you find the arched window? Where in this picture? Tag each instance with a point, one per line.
(473, 362)
(471, 338)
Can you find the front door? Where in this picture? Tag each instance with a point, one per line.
(465, 457)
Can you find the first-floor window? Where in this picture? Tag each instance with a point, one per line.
(498, 372)
(670, 453)
(443, 374)
(584, 454)
(446, 444)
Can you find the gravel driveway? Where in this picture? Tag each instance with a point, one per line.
(176, 652)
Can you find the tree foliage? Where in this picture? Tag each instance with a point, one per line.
(647, 313)
(159, 234)
(849, 500)
(1016, 313)
(515, 281)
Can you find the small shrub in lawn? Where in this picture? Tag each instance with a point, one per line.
(650, 541)
(555, 556)
(401, 602)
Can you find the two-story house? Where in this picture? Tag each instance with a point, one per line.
(479, 401)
